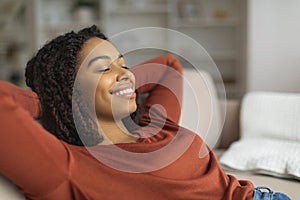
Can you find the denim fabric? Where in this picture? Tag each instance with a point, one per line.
(264, 193)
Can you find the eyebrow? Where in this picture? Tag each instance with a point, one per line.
(102, 57)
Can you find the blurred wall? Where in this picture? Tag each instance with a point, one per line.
(273, 58)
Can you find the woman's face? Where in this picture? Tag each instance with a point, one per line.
(102, 66)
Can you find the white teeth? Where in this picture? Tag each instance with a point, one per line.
(125, 91)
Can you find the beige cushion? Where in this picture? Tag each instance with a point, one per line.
(8, 190)
(201, 110)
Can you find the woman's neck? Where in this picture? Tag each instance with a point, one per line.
(115, 132)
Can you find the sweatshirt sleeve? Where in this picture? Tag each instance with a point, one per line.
(33, 159)
(26, 99)
(161, 79)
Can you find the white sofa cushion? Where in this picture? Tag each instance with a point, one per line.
(270, 135)
(272, 115)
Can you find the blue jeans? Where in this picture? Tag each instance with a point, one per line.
(264, 193)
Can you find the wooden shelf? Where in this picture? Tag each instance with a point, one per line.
(134, 10)
(221, 35)
(206, 23)
(217, 26)
(66, 26)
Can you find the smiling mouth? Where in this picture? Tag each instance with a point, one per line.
(125, 91)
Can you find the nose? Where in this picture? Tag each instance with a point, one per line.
(121, 74)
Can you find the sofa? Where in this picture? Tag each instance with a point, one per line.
(209, 116)
(243, 119)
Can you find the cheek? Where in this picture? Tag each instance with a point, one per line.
(103, 96)
(104, 85)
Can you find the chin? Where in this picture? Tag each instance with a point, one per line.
(125, 113)
(132, 109)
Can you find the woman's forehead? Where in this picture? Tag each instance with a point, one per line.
(95, 47)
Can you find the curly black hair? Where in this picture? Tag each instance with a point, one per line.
(51, 74)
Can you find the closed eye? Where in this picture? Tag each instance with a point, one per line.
(108, 69)
(102, 70)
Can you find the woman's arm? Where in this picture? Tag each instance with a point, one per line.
(161, 78)
(28, 100)
(30, 157)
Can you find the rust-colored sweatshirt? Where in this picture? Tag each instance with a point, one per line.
(44, 167)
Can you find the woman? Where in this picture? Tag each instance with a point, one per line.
(51, 161)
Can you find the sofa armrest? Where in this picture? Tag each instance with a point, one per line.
(230, 131)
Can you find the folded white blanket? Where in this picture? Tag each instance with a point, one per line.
(266, 156)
